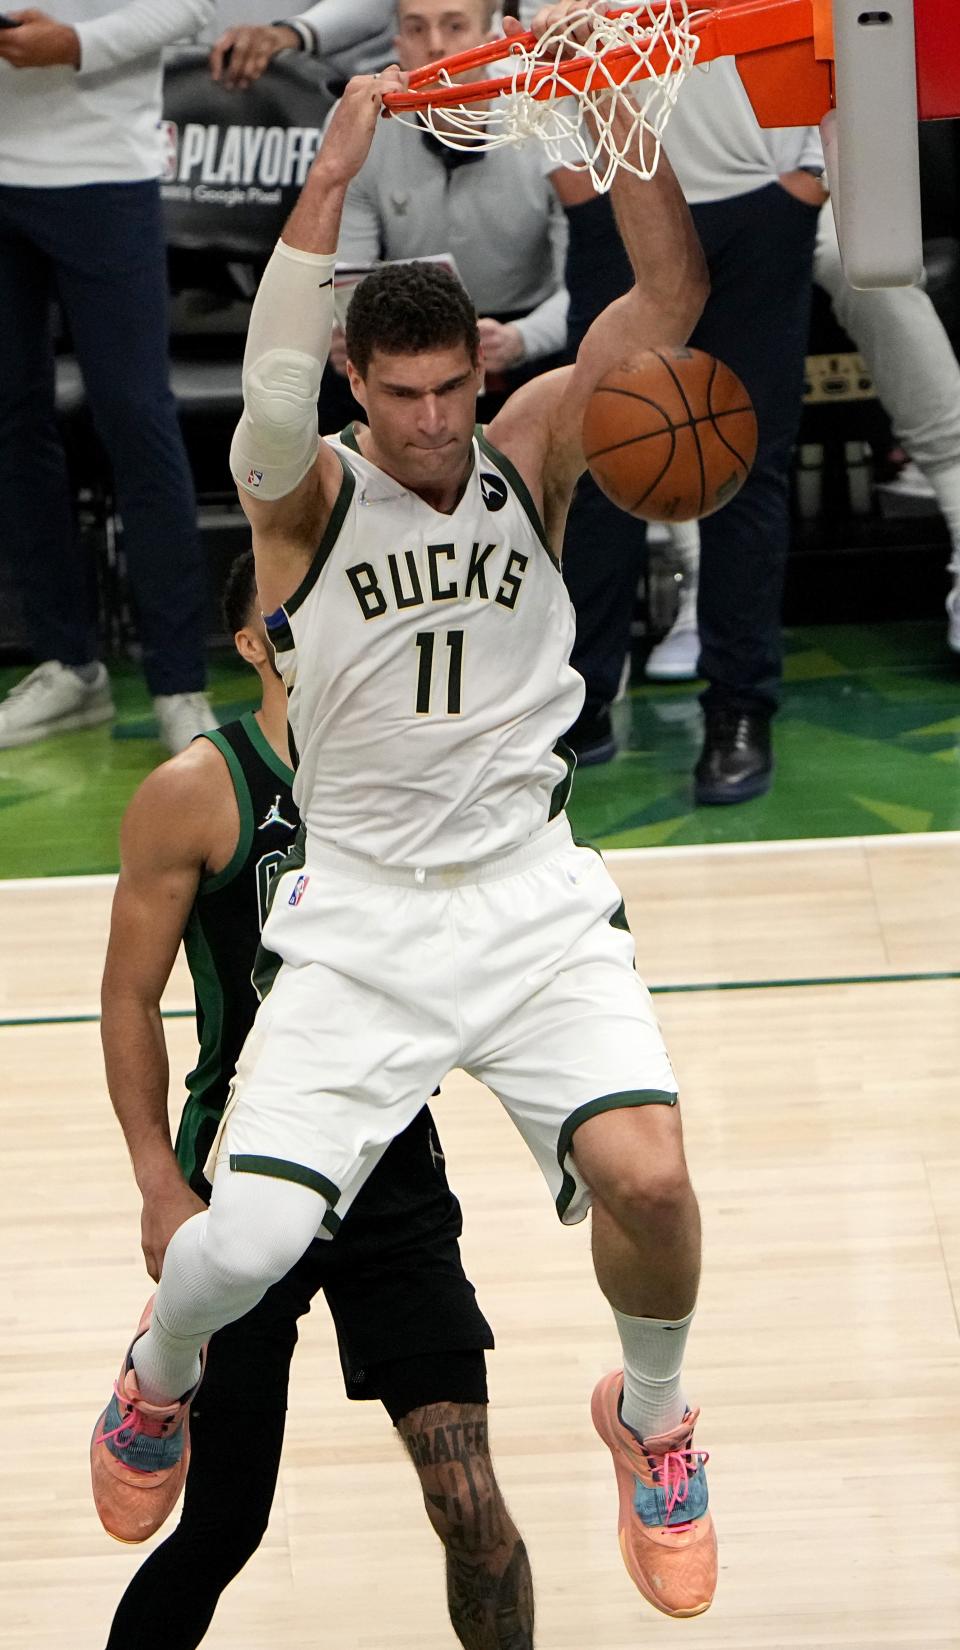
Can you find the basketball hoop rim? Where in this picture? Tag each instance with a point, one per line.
(428, 88)
(540, 81)
(751, 26)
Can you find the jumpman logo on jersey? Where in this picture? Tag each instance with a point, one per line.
(273, 816)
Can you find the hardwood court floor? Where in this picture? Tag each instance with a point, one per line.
(824, 1135)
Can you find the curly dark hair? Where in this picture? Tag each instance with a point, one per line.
(239, 597)
(405, 309)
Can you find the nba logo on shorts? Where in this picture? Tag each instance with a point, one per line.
(254, 478)
(299, 889)
(169, 139)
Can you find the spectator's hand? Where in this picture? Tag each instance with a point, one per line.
(502, 345)
(348, 137)
(39, 43)
(240, 55)
(338, 351)
(804, 186)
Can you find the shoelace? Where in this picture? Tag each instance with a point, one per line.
(732, 727)
(672, 1471)
(132, 1424)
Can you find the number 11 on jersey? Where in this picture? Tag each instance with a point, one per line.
(426, 640)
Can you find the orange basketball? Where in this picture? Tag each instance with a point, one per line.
(670, 436)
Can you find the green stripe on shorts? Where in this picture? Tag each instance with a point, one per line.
(593, 1108)
(278, 1168)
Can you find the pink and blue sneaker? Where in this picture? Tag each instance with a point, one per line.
(139, 1454)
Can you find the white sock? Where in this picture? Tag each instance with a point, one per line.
(653, 1351)
(166, 1366)
(945, 482)
(685, 538)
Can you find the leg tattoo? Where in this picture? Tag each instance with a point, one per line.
(489, 1586)
(490, 1611)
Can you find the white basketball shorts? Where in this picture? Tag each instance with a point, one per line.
(519, 969)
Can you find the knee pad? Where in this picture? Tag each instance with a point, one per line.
(257, 1229)
(277, 438)
(287, 345)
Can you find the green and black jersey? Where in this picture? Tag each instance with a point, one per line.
(223, 931)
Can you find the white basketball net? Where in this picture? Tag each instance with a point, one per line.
(584, 143)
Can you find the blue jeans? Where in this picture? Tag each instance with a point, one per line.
(99, 248)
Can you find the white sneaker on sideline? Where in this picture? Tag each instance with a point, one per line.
(953, 617)
(908, 493)
(675, 659)
(910, 482)
(53, 699)
(181, 716)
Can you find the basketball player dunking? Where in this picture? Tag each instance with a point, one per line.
(443, 916)
(202, 839)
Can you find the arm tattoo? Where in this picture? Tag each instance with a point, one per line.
(489, 1587)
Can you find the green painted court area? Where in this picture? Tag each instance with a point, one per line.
(868, 742)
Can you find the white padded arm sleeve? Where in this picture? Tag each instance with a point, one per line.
(288, 341)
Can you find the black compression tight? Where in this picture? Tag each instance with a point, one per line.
(171, 1600)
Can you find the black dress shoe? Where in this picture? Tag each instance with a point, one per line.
(592, 738)
(736, 762)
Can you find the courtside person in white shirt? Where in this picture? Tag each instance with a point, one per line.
(415, 197)
(80, 159)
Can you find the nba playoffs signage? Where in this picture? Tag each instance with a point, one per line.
(234, 162)
(235, 165)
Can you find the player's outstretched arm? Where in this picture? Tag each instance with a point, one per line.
(662, 307)
(164, 842)
(287, 478)
(540, 426)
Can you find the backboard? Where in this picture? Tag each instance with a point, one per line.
(866, 72)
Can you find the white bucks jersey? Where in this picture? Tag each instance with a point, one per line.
(427, 661)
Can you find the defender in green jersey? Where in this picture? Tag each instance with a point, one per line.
(201, 841)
